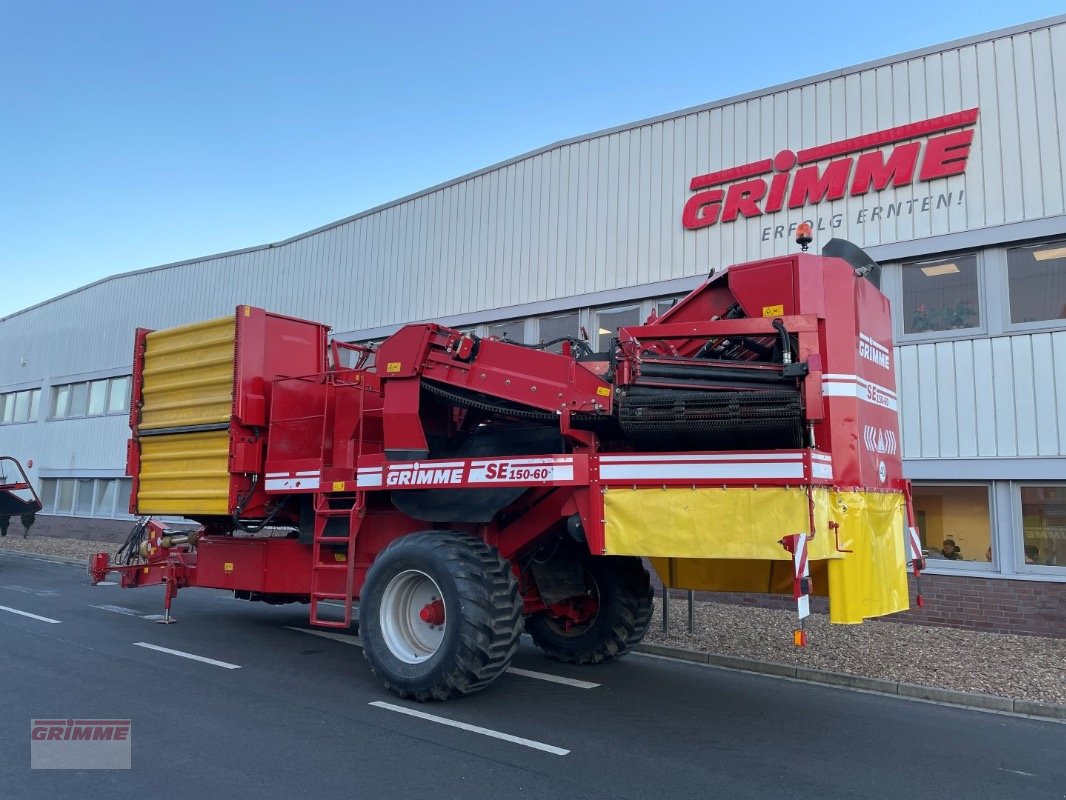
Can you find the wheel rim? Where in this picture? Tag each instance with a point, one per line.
(413, 616)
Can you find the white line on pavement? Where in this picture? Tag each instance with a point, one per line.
(183, 654)
(129, 612)
(28, 614)
(547, 748)
(525, 673)
(544, 676)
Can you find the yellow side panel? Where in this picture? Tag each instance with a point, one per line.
(872, 580)
(740, 523)
(184, 473)
(188, 375)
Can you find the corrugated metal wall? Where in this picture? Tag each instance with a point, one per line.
(604, 213)
(1003, 396)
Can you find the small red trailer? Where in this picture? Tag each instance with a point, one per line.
(464, 488)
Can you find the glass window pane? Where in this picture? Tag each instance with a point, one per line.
(122, 504)
(609, 320)
(552, 328)
(1044, 525)
(79, 399)
(7, 407)
(665, 304)
(22, 406)
(35, 404)
(48, 494)
(954, 522)
(940, 295)
(97, 397)
(105, 498)
(65, 496)
(119, 398)
(83, 505)
(1037, 282)
(60, 401)
(513, 331)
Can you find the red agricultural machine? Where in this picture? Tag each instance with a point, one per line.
(464, 488)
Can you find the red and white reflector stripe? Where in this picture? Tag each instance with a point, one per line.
(914, 543)
(801, 568)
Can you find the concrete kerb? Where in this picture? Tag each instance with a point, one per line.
(1031, 708)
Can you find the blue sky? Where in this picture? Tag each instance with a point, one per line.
(137, 133)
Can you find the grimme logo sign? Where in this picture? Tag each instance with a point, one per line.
(920, 151)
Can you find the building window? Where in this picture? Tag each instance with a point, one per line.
(954, 522)
(609, 320)
(941, 295)
(513, 331)
(1036, 280)
(664, 304)
(19, 406)
(1044, 525)
(86, 497)
(558, 327)
(91, 398)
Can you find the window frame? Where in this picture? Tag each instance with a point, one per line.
(989, 568)
(1018, 524)
(68, 389)
(10, 400)
(980, 256)
(1008, 325)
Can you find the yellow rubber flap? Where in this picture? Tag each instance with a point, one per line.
(734, 523)
(184, 473)
(188, 375)
(872, 580)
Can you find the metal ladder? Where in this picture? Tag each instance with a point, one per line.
(352, 507)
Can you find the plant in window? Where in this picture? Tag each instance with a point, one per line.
(923, 319)
(960, 315)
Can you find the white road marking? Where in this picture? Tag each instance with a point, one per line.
(183, 654)
(525, 673)
(28, 614)
(547, 748)
(106, 583)
(27, 590)
(1018, 772)
(129, 612)
(544, 676)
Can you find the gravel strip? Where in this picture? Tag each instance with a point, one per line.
(1019, 667)
(50, 546)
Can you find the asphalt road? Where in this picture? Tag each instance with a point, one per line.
(287, 714)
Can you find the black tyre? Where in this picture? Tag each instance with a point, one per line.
(622, 587)
(439, 615)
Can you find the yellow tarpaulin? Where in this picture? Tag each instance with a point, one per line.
(728, 540)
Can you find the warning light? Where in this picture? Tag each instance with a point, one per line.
(799, 638)
(804, 235)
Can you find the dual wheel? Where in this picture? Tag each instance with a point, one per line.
(440, 615)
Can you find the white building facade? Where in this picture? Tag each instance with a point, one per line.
(945, 164)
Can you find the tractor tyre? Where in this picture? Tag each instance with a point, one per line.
(440, 615)
(622, 587)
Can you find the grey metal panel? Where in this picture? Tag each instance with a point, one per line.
(1045, 414)
(1000, 397)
